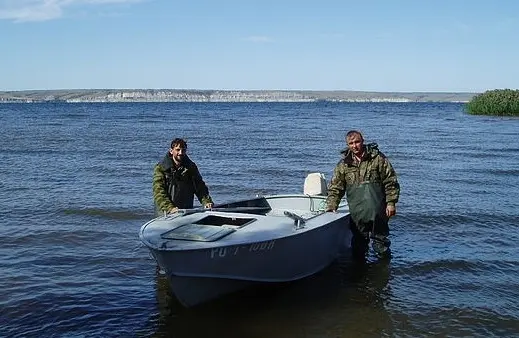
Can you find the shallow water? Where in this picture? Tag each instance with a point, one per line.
(76, 187)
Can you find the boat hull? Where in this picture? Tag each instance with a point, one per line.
(191, 291)
(273, 249)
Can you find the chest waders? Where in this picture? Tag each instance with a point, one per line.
(366, 202)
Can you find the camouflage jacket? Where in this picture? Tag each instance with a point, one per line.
(176, 186)
(374, 167)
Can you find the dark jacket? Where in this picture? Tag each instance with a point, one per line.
(176, 186)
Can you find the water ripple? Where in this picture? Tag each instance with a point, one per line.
(76, 187)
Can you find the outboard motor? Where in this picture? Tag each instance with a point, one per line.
(315, 184)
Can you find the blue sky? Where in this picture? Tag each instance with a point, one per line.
(368, 45)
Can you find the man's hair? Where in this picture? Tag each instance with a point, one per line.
(354, 132)
(180, 142)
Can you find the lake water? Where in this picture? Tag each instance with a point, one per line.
(76, 187)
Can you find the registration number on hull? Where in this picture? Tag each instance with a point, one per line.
(238, 249)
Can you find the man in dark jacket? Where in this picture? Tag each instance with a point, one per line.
(370, 183)
(176, 180)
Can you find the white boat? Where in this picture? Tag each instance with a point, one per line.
(207, 253)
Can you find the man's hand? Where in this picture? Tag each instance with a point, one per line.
(208, 205)
(173, 210)
(390, 210)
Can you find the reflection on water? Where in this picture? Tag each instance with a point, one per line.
(346, 298)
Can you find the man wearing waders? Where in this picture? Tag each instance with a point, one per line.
(369, 181)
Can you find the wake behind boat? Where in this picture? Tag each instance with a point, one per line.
(207, 253)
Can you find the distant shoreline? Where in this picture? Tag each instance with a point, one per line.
(187, 95)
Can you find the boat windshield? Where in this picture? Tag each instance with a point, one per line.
(221, 220)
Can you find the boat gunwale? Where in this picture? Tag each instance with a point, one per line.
(342, 211)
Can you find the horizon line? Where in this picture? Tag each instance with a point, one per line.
(243, 90)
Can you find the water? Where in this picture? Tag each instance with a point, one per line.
(76, 187)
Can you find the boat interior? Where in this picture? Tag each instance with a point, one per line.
(213, 226)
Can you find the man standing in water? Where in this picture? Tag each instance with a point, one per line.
(176, 180)
(369, 181)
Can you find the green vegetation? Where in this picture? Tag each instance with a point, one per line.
(500, 102)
